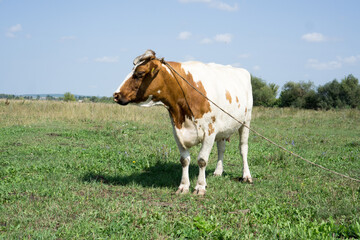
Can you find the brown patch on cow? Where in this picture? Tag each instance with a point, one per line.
(238, 105)
(213, 119)
(182, 100)
(184, 162)
(201, 163)
(211, 129)
(228, 96)
(237, 99)
(245, 110)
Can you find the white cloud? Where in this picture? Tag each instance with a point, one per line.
(184, 35)
(9, 34)
(206, 41)
(220, 5)
(349, 60)
(331, 65)
(314, 37)
(317, 65)
(190, 1)
(65, 38)
(224, 6)
(221, 38)
(189, 58)
(244, 55)
(15, 28)
(256, 68)
(12, 30)
(225, 38)
(107, 59)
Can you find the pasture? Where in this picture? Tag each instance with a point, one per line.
(101, 171)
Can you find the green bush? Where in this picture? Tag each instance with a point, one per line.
(299, 95)
(345, 94)
(263, 94)
(68, 97)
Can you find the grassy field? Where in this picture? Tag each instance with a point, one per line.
(101, 171)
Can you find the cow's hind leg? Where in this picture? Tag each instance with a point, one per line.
(244, 135)
(221, 150)
(202, 162)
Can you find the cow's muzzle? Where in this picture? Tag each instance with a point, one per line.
(119, 99)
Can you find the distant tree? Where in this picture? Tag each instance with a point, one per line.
(49, 97)
(68, 97)
(350, 91)
(340, 95)
(7, 96)
(329, 95)
(263, 94)
(93, 99)
(299, 95)
(311, 100)
(106, 100)
(86, 99)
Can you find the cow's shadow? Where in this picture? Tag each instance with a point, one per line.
(162, 174)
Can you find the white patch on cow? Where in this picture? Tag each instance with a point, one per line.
(149, 103)
(186, 69)
(159, 91)
(190, 133)
(167, 69)
(126, 78)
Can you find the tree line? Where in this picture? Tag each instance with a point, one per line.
(67, 97)
(332, 95)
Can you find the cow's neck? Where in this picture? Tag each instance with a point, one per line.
(181, 100)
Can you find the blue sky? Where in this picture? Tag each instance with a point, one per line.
(87, 47)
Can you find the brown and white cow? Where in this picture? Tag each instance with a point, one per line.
(195, 120)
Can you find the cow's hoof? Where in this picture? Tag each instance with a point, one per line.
(247, 180)
(182, 191)
(217, 173)
(199, 192)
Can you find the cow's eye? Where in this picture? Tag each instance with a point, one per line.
(138, 75)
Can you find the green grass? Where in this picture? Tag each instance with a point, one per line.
(101, 171)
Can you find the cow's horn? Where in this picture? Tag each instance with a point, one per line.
(147, 55)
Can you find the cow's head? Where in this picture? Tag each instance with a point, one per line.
(140, 86)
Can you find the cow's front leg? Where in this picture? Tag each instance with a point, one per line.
(185, 181)
(221, 150)
(202, 162)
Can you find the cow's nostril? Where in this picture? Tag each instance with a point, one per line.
(120, 99)
(116, 97)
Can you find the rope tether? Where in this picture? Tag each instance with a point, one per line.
(257, 133)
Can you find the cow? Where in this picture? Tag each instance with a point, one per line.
(194, 118)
